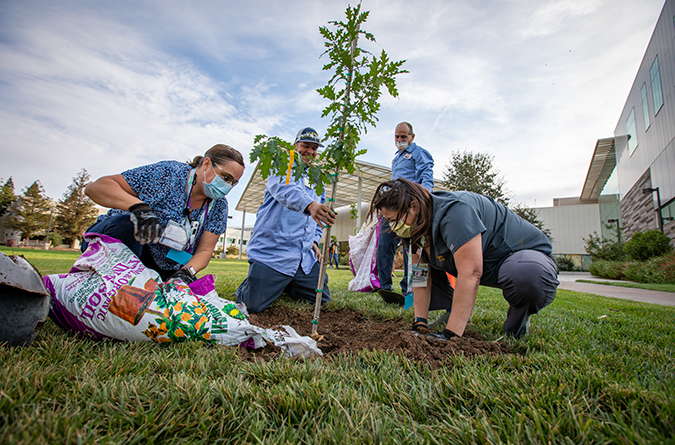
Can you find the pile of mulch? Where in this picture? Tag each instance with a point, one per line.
(346, 331)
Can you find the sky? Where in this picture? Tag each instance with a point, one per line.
(111, 85)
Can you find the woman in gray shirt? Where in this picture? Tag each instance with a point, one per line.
(477, 240)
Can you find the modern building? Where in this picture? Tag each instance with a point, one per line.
(233, 237)
(631, 178)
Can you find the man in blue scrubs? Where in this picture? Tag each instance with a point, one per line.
(415, 164)
(283, 251)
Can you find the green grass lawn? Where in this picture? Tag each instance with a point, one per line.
(592, 370)
(648, 286)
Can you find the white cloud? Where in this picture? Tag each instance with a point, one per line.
(112, 86)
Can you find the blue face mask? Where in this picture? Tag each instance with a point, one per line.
(217, 188)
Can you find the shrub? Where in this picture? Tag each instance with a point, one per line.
(55, 239)
(232, 250)
(565, 264)
(643, 246)
(614, 270)
(600, 248)
(655, 270)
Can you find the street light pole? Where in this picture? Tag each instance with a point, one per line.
(658, 201)
(49, 228)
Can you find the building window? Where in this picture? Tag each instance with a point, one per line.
(630, 129)
(645, 107)
(657, 95)
(668, 212)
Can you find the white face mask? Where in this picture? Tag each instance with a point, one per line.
(402, 145)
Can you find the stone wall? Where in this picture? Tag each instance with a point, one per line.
(637, 209)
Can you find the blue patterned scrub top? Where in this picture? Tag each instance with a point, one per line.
(163, 186)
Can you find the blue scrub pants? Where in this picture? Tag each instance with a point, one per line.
(120, 227)
(264, 285)
(387, 244)
(528, 280)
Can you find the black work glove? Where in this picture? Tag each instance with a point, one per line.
(147, 228)
(183, 274)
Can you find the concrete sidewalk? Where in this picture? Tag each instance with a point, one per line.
(568, 282)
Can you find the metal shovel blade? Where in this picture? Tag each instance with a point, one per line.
(391, 297)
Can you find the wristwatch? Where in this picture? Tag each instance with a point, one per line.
(191, 270)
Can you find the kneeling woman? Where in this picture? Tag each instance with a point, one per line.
(477, 240)
(170, 214)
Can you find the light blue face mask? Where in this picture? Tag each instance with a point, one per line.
(217, 188)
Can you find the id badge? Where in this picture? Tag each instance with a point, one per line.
(174, 236)
(420, 275)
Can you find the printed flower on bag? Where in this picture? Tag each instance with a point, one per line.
(153, 332)
(183, 320)
(232, 310)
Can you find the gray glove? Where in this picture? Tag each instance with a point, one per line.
(147, 228)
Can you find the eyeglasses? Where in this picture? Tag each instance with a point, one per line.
(226, 176)
(384, 189)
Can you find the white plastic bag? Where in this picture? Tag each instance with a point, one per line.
(363, 257)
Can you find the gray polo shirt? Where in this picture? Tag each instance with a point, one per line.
(457, 217)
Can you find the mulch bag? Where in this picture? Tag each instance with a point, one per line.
(363, 257)
(110, 294)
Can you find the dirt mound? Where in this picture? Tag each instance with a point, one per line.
(346, 331)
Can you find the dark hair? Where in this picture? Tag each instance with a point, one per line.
(410, 129)
(219, 154)
(397, 196)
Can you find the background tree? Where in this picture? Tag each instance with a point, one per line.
(532, 216)
(474, 172)
(7, 196)
(75, 212)
(29, 213)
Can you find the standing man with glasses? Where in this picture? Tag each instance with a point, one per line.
(283, 252)
(415, 164)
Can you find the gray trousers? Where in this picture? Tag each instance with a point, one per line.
(263, 285)
(528, 280)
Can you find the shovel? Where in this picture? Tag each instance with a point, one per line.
(396, 298)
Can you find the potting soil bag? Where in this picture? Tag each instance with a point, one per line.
(363, 257)
(110, 294)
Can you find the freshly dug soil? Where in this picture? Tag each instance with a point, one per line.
(346, 331)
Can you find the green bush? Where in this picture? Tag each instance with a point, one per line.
(600, 248)
(655, 270)
(55, 239)
(232, 250)
(614, 270)
(643, 246)
(565, 264)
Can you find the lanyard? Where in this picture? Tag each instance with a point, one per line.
(195, 227)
